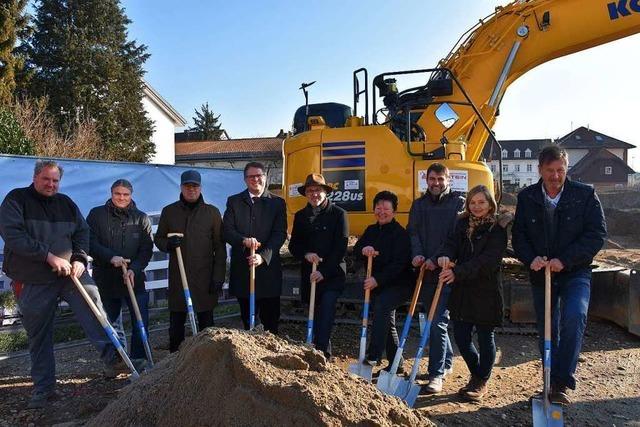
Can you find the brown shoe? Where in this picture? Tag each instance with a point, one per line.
(477, 391)
(470, 384)
(558, 395)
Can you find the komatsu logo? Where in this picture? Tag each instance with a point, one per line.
(623, 8)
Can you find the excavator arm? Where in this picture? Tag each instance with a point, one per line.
(510, 42)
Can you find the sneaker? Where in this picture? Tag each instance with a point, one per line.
(400, 368)
(558, 395)
(40, 399)
(476, 392)
(434, 386)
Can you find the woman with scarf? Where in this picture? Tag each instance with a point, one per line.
(475, 247)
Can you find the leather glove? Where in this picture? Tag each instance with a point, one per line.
(173, 242)
(215, 288)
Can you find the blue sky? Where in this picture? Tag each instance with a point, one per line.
(247, 59)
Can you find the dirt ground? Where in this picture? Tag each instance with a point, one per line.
(608, 392)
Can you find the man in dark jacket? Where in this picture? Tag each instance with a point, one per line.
(256, 218)
(46, 240)
(431, 218)
(119, 232)
(203, 251)
(320, 234)
(559, 223)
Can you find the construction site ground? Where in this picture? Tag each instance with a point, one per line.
(608, 392)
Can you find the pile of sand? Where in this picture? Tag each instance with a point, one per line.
(228, 377)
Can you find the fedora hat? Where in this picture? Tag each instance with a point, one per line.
(314, 179)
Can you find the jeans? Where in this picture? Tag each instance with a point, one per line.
(570, 295)
(440, 349)
(38, 305)
(267, 309)
(112, 306)
(479, 363)
(323, 317)
(204, 320)
(384, 335)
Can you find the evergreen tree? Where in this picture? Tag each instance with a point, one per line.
(206, 123)
(13, 27)
(79, 57)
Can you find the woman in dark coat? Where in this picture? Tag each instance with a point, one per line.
(391, 277)
(476, 247)
(320, 233)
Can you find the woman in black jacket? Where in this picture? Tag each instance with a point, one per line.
(391, 278)
(320, 233)
(476, 246)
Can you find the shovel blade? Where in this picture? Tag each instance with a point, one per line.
(407, 391)
(546, 418)
(362, 370)
(387, 382)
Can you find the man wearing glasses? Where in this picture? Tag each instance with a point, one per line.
(256, 219)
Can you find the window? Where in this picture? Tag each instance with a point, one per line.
(529, 167)
(527, 153)
(599, 138)
(493, 168)
(529, 181)
(505, 168)
(578, 137)
(516, 181)
(517, 168)
(504, 154)
(516, 153)
(608, 170)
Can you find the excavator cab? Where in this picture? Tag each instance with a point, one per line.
(334, 115)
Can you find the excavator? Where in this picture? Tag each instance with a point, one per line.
(449, 118)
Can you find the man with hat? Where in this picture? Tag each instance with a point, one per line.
(320, 233)
(256, 218)
(120, 232)
(203, 251)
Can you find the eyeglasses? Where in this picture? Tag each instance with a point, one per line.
(257, 176)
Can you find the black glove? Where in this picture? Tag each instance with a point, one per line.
(215, 288)
(173, 242)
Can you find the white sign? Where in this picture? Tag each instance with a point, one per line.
(293, 189)
(351, 184)
(459, 180)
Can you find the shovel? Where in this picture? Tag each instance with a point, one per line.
(252, 293)
(388, 381)
(545, 413)
(111, 333)
(361, 369)
(312, 306)
(408, 390)
(136, 309)
(185, 286)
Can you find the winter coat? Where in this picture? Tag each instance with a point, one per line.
(430, 222)
(392, 266)
(119, 232)
(203, 251)
(265, 220)
(580, 228)
(476, 294)
(327, 236)
(33, 225)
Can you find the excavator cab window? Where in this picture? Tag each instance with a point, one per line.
(446, 115)
(334, 114)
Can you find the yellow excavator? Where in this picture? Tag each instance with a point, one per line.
(449, 118)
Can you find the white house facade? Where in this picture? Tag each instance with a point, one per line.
(519, 161)
(165, 121)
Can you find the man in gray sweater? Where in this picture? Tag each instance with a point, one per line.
(431, 218)
(46, 240)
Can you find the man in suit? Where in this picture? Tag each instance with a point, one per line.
(256, 219)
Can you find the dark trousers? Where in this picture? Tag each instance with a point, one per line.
(176, 326)
(38, 304)
(570, 296)
(480, 362)
(112, 307)
(267, 310)
(323, 317)
(384, 336)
